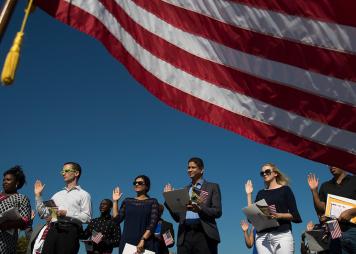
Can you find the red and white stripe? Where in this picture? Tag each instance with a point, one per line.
(281, 73)
(272, 209)
(168, 238)
(96, 237)
(203, 195)
(334, 229)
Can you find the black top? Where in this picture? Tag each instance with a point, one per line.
(284, 201)
(108, 228)
(139, 216)
(346, 189)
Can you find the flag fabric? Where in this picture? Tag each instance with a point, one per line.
(281, 73)
(334, 229)
(168, 239)
(96, 237)
(203, 195)
(272, 209)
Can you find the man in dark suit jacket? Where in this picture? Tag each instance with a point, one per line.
(197, 231)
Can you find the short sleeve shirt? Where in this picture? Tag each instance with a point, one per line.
(346, 189)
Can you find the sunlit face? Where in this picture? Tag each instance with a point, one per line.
(335, 171)
(9, 183)
(194, 172)
(68, 173)
(268, 173)
(140, 185)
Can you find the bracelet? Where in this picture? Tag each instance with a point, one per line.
(143, 238)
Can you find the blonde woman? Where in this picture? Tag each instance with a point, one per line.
(281, 200)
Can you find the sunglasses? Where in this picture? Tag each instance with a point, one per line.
(266, 172)
(64, 171)
(138, 183)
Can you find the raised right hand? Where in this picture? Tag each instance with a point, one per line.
(248, 187)
(313, 182)
(116, 194)
(168, 187)
(38, 188)
(244, 225)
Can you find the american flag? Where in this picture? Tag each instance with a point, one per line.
(168, 239)
(334, 229)
(96, 237)
(281, 73)
(272, 208)
(203, 195)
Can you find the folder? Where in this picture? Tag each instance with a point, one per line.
(335, 205)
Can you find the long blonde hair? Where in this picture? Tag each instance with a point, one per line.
(281, 178)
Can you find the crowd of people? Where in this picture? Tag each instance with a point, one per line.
(67, 216)
(282, 207)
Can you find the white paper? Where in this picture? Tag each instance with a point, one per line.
(177, 199)
(132, 249)
(257, 218)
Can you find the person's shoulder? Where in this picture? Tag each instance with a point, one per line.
(211, 183)
(326, 183)
(152, 200)
(352, 177)
(22, 195)
(83, 192)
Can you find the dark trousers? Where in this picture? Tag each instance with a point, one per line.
(62, 239)
(197, 242)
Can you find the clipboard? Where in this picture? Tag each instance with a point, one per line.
(177, 199)
(335, 205)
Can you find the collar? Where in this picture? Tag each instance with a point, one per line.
(106, 216)
(77, 187)
(345, 179)
(199, 183)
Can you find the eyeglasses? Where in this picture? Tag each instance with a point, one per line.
(266, 172)
(138, 183)
(64, 171)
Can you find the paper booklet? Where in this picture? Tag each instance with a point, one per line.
(177, 199)
(335, 205)
(9, 215)
(259, 216)
(131, 249)
(49, 203)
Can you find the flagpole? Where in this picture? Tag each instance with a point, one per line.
(5, 15)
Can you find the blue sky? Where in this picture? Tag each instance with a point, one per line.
(72, 101)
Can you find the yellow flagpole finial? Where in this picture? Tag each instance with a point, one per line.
(13, 57)
(12, 60)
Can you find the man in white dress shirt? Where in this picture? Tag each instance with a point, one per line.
(74, 208)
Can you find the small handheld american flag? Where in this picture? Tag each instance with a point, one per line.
(272, 209)
(96, 237)
(167, 237)
(203, 195)
(334, 229)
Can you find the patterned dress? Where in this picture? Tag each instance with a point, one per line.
(139, 216)
(8, 238)
(109, 228)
